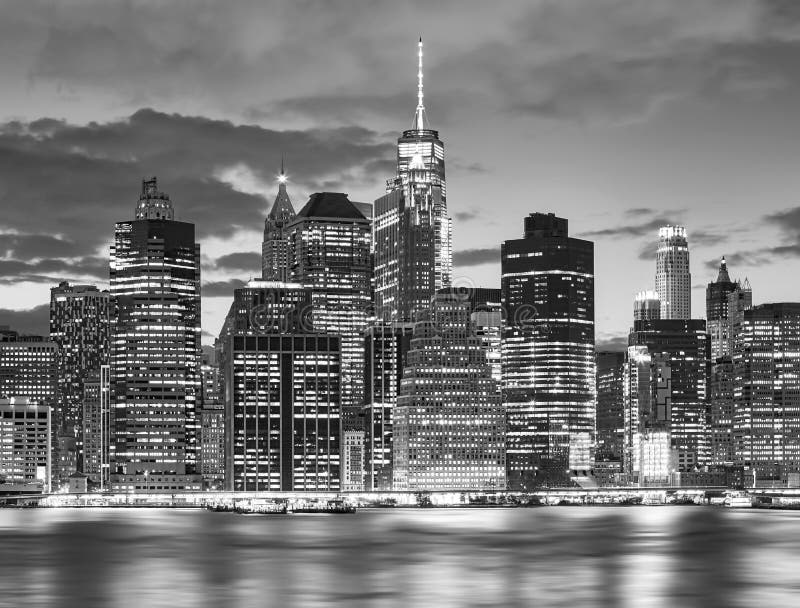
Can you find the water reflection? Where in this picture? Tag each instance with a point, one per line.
(561, 556)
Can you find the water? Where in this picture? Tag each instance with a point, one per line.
(552, 556)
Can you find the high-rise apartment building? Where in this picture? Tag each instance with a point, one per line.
(330, 251)
(28, 368)
(766, 412)
(717, 317)
(281, 390)
(610, 411)
(275, 247)
(679, 352)
(385, 346)
(548, 350)
(155, 347)
(449, 424)
(412, 232)
(79, 324)
(673, 278)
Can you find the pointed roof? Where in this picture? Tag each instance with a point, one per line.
(282, 209)
(723, 276)
(330, 205)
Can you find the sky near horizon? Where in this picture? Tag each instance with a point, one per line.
(620, 115)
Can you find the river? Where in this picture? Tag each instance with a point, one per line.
(549, 556)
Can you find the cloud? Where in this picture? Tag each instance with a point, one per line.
(611, 343)
(53, 270)
(60, 222)
(706, 238)
(220, 289)
(466, 215)
(242, 260)
(648, 228)
(476, 257)
(35, 320)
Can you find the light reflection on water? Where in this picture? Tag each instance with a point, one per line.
(551, 556)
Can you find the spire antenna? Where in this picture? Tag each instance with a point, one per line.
(420, 118)
(282, 176)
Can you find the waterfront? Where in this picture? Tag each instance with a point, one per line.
(557, 556)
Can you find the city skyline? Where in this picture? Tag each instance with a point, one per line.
(555, 104)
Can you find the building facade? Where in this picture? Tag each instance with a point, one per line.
(79, 324)
(548, 355)
(610, 410)
(673, 278)
(25, 442)
(281, 393)
(412, 231)
(96, 421)
(385, 349)
(155, 347)
(330, 251)
(717, 316)
(679, 351)
(766, 412)
(646, 306)
(449, 423)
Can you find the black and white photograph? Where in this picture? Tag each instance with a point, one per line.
(388, 304)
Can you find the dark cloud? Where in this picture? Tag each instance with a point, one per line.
(221, 289)
(706, 238)
(648, 228)
(34, 320)
(241, 260)
(53, 270)
(736, 260)
(611, 343)
(63, 186)
(476, 257)
(466, 215)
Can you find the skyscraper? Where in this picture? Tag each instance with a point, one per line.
(548, 350)
(282, 394)
(155, 347)
(673, 279)
(79, 324)
(412, 232)
(646, 306)
(25, 442)
(679, 352)
(275, 247)
(449, 424)
(330, 252)
(96, 420)
(717, 321)
(610, 423)
(385, 346)
(766, 425)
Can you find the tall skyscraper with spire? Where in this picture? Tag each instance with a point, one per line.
(155, 348)
(717, 322)
(411, 230)
(673, 279)
(275, 247)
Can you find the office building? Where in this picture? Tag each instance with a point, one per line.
(412, 231)
(281, 392)
(766, 413)
(155, 347)
(679, 350)
(352, 461)
(96, 430)
(275, 247)
(79, 324)
(720, 419)
(673, 279)
(717, 317)
(212, 445)
(330, 251)
(25, 442)
(646, 306)
(548, 350)
(385, 346)
(449, 424)
(610, 414)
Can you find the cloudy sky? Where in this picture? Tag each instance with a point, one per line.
(620, 115)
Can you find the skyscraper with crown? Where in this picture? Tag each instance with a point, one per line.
(412, 232)
(275, 247)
